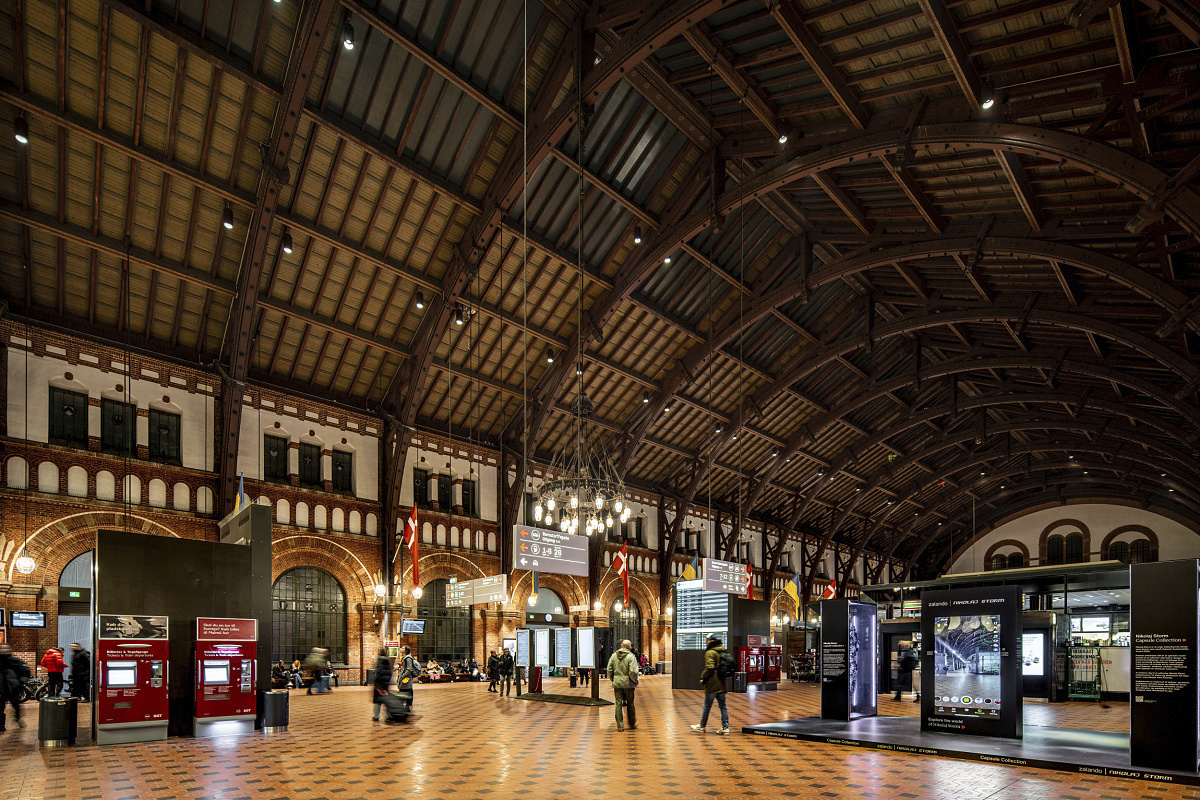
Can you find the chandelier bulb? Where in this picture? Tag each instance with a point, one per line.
(537, 513)
(617, 506)
(550, 504)
(608, 521)
(599, 501)
(574, 501)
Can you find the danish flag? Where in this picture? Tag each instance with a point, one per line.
(830, 591)
(410, 541)
(621, 565)
(749, 582)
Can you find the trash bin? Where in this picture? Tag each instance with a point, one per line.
(57, 718)
(660, 668)
(739, 681)
(275, 711)
(370, 678)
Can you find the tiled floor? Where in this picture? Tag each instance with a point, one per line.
(468, 743)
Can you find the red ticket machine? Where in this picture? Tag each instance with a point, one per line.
(773, 667)
(132, 663)
(750, 661)
(225, 692)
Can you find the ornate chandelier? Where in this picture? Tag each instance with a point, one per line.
(582, 483)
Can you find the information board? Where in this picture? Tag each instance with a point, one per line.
(562, 647)
(725, 576)
(585, 648)
(522, 648)
(698, 615)
(492, 589)
(541, 647)
(550, 551)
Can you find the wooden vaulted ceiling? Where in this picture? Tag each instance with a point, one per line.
(913, 311)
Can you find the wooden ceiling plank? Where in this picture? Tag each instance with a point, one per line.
(945, 30)
(797, 30)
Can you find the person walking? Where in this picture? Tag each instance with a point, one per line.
(714, 685)
(908, 662)
(506, 672)
(383, 679)
(493, 670)
(316, 663)
(585, 675)
(12, 670)
(81, 672)
(54, 665)
(623, 671)
(406, 675)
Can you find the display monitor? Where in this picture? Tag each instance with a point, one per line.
(414, 627)
(216, 672)
(1076, 624)
(27, 619)
(121, 674)
(967, 666)
(1033, 649)
(1095, 624)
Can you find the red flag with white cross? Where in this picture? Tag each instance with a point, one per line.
(410, 541)
(621, 565)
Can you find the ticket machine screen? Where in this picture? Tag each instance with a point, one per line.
(121, 674)
(216, 672)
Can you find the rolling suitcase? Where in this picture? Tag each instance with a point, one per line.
(397, 706)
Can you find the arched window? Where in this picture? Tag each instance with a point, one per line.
(625, 623)
(1015, 560)
(447, 634)
(1139, 552)
(548, 602)
(308, 610)
(1074, 549)
(999, 562)
(1119, 552)
(1054, 550)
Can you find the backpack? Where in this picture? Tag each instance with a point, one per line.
(726, 665)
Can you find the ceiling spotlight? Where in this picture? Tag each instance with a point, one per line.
(987, 97)
(667, 407)
(550, 356)
(637, 234)
(347, 35)
(718, 427)
(21, 129)
(783, 137)
(227, 217)
(646, 396)
(667, 260)
(419, 300)
(579, 368)
(287, 237)
(775, 453)
(458, 315)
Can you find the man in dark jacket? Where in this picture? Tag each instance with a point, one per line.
(506, 672)
(12, 670)
(81, 672)
(714, 685)
(493, 671)
(383, 679)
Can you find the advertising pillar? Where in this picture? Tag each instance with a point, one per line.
(971, 664)
(224, 676)
(132, 665)
(1163, 728)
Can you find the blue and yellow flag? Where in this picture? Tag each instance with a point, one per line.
(241, 499)
(692, 570)
(792, 588)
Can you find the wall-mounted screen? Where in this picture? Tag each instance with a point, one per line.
(1076, 624)
(522, 654)
(541, 649)
(1033, 648)
(1095, 624)
(216, 672)
(967, 665)
(412, 627)
(121, 674)
(28, 619)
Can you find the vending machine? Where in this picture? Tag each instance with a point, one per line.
(750, 661)
(773, 666)
(132, 662)
(224, 685)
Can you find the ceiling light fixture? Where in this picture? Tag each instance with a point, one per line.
(419, 300)
(287, 237)
(579, 368)
(646, 396)
(21, 129)
(987, 98)
(783, 137)
(667, 260)
(637, 234)
(458, 315)
(227, 217)
(550, 356)
(347, 35)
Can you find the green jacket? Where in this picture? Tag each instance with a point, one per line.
(713, 684)
(620, 667)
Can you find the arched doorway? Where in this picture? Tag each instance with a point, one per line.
(75, 621)
(625, 621)
(447, 634)
(308, 610)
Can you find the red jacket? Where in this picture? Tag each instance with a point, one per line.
(53, 661)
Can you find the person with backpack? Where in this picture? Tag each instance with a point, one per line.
(719, 664)
(623, 672)
(12, 670)
(407, 673)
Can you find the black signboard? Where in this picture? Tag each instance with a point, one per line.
(971, 661)
(1163, 727)
(848, 652)
(698, 615)
(28, 619)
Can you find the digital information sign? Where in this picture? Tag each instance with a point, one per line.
(971, 666)
(698, 615)
(562, 647)
(492, 589)
(585, 648)
(523, 647)
(555, 552)
(725, 576)
(541, 649)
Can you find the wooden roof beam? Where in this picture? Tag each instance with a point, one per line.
(945, 30)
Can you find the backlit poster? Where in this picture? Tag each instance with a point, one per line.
(541, 649)
(522, 654)
(585, 648)
(971, 665)
(1033, 647)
